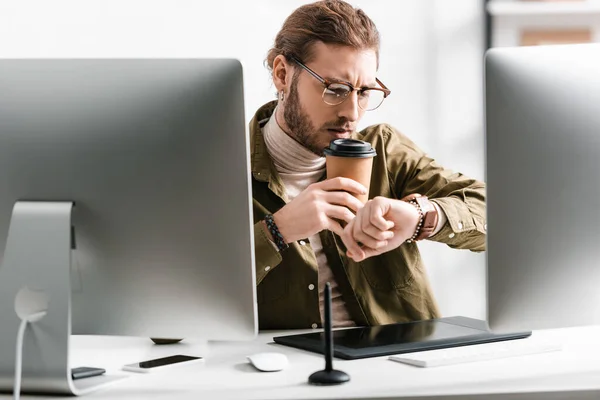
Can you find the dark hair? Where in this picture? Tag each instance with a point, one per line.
(329, 21)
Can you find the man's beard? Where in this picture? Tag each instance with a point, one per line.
(301, 127)
(299, 124)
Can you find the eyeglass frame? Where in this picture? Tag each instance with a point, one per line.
(327, 82)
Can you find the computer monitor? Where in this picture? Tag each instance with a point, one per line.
(148, 161)
(543, 186)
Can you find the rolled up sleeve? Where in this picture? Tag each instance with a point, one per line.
(461, 198)
(464, 229)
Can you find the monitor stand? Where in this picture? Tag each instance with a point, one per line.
(34, 277)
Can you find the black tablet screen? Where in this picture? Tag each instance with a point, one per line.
(375, 336)
(374, 341)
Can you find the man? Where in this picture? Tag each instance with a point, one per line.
(309, 230)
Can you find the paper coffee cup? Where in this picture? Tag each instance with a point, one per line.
(351, 158)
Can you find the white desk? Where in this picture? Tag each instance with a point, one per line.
(226, 374)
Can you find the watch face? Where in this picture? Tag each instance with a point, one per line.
(430, 217)
(425, 204)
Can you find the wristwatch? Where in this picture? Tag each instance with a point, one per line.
(429, 212)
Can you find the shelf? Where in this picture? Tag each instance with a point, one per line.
(522, 8)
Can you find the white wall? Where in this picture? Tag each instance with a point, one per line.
(456, 139)
(430, 58)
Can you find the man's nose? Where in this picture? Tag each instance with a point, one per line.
(349, 109)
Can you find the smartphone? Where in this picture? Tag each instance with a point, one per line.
(162, 363)
(86, 372)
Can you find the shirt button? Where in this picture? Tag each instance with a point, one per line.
(267, 268)
(451, 235)
(485, 227)
(311, 286)
(302, 243)
(460, 225)
(314, 326)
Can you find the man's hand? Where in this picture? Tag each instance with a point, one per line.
(320, 206)
(380, 226)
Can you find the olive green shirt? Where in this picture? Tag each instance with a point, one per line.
(391, 287)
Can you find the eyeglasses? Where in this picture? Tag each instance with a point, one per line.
(336, 92)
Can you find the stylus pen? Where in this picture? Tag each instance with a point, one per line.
(328, 333)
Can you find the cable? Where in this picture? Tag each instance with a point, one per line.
(19, 351)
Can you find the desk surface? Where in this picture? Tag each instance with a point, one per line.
(225, 374)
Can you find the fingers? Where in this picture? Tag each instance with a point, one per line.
(367, 234)
(376, 221)
(365, 253)
(353, 235)
(344, 199)
(371, 228)
(353, 249)
(372, 221)
(339, 212)
(335, 227)
(346, 184)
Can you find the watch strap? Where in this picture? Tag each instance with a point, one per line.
(429, 215)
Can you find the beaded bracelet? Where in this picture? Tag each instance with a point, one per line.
(277, 236)
(418, 229)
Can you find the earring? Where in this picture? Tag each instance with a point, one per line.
(281, 97)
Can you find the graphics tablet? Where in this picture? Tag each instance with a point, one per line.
(383, 340)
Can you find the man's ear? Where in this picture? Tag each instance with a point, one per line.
(282, 73)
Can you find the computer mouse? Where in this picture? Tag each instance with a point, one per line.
(268, 362)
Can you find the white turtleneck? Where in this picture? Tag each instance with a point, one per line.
(299, 167)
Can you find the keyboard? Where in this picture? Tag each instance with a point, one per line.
(477, 352)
